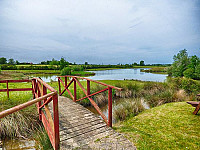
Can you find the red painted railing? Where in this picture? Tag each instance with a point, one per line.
(88, 94)
(14, 81)
(41, 98)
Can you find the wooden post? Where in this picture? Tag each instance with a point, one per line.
(88, 87)
(74, 90)
(39, 103)
(65, 81)
(44, 93)
(7, 88)
(109, 106)
(59, 86)
(56, 122)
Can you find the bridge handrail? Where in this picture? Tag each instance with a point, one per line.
(88, 95)
(113, 87)
(16, 89)
(24, 105)
(41, 98)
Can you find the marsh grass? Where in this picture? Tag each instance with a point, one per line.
(128, 108)
(42, 139)
(23, 122)
(153, 93)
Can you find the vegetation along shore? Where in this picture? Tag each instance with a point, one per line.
(147, 129)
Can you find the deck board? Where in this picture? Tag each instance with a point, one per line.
(81, 129)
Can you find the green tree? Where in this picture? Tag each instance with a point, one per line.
(181, 61)
(54, 62)
(11, 61)
(63, 63)
(142, 63)
(135, 64)
(17, 62)
(3, 60)
(183, 65)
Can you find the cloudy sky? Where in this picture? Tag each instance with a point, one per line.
(99, 31)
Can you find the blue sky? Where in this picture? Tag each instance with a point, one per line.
(99, 31)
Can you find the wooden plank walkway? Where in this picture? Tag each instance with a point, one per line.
(81, 129)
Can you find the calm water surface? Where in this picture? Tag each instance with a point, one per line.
(116, 74)
(121, 74)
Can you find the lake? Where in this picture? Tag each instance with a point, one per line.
(115, 74)
(121, 74)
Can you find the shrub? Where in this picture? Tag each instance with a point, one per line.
(66, 71)
(77, 68)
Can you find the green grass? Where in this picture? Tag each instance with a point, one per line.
(34, 71)
(170, 126)
(27, 72)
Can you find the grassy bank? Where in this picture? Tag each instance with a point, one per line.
(156, 70)
(170, 126)
(151, 67)
(25, 74)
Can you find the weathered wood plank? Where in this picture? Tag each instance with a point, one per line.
(81, 129)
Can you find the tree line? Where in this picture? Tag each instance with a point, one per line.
(185, 66)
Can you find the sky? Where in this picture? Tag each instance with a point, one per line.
(99, 31)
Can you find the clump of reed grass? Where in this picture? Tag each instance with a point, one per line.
(21, 123)
(129, 107)
(18, 124)
(42, 139)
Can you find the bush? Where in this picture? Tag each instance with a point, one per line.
(66, 71)
(8, 67)
(77, 68)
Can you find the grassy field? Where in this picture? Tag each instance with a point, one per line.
(170, 126)
(25, 74)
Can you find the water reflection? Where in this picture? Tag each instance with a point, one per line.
(121, 74)
(19, 144)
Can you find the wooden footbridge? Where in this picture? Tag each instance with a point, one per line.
(68, 124)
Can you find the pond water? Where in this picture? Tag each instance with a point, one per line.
(116, 74)
(46, 77)
(18, 144)
(121, 74)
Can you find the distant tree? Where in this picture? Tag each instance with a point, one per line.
(43, 62)
(192, 68)
(184, 65)
(54, 62)
(135, 64)
(142, 63)
(63, 63)
(17, 62)
(3, 60)
(181, 61)
(86, 63)
(11, 61)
